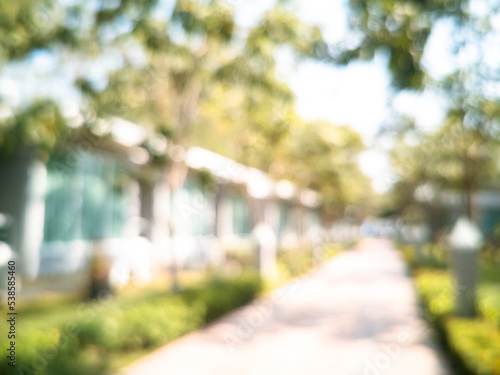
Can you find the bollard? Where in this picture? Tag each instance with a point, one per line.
(316, 248)
(464, 241)
(266, 247)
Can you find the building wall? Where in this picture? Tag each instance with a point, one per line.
(22, 186)
(76, 203)
(61, 208)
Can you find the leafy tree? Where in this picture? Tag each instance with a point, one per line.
(452, 158)
(399, 28)
(324, 157)
(182, 74)
(74, 32)
(460, 155)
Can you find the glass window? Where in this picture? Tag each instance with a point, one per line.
(283, 219)
(241, 215)
(88, 199)
(193, 210)
(62, 201)
(95, 199)
(122, 201)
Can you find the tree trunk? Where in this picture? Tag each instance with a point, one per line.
(174, 272)
(176, 178)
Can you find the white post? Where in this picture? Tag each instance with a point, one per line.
(33, 219)
(266, 243)
(464, 241)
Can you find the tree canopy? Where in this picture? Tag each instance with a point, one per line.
(399, 28)
(460, 155)
(184, 70)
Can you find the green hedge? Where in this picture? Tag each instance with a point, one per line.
(293, 263)
(489, 302)
(436, 291)
(246, 259)
(84, 345)
(432, 256)
(477, 342)
(222, 294)
(474, 344)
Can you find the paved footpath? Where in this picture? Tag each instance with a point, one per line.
(355, 315)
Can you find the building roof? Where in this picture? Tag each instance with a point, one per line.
(258, 184)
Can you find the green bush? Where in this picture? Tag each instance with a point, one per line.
(409, 255)
(477, 343)
(247, 259)
(222, 294)
(330, 250)
(489, 303)
(294, 263)
(144, 325)
(83, 345)
(431, 256)
(474, 344)
(436, 291)
(56, 351)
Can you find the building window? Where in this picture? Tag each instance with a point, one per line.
(89, 198)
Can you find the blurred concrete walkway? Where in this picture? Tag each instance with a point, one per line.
(355, 315)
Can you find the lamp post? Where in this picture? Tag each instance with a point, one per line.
(464, 241)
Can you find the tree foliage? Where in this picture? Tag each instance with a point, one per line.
(188, 73)
(461, 155)
(452, 158)
(399, 28)
(324, 157)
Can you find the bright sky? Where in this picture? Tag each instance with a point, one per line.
(353, 95)
(357, 95)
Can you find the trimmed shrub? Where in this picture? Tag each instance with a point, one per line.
(294, 262)
(246, 259)
(330, 250)
(436, 290)
(489, 303)
(477, 343)
(222, 294)
(474, 344)
(83, 345)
